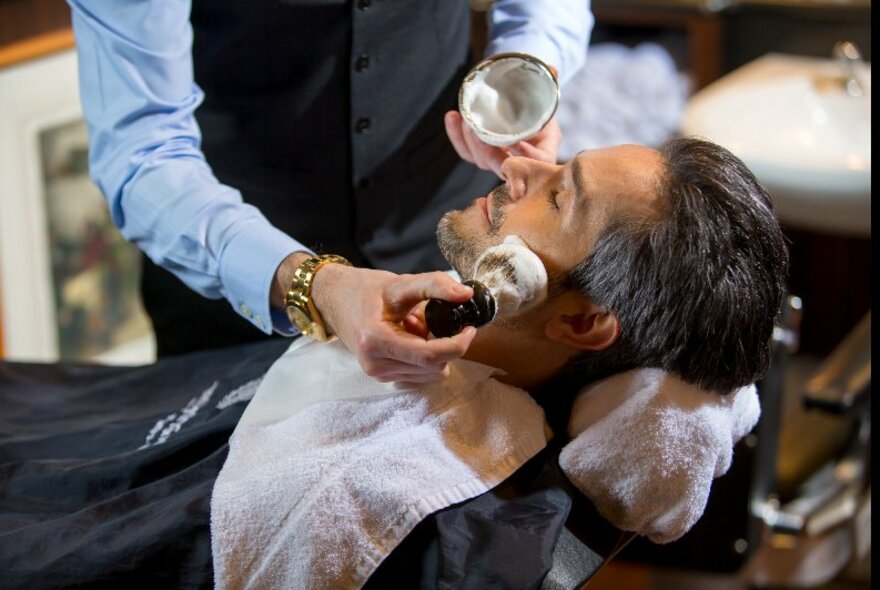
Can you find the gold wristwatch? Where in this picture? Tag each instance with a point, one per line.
(298, 302)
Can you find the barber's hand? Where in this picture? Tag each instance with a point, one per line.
(543, 146)
(376, 315)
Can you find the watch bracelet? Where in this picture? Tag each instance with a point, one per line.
(299, 293)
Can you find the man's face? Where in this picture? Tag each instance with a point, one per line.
(558, 210)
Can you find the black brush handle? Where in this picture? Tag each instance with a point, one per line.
(445, 318)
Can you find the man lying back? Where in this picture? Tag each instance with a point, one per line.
(669, 259)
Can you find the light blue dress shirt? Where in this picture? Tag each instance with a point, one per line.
(139, 99)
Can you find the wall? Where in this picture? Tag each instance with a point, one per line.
(801, 28)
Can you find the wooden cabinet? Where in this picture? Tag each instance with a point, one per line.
(27, 20)
(698, 22)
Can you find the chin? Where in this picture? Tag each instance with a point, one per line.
(462, 237)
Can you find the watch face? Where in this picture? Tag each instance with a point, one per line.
(299, 319)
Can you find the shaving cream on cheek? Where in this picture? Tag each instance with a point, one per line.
(508, 278)
(514, 275)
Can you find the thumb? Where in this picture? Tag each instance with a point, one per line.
(404, 293)
(524, 149)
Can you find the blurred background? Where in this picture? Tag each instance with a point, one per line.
(784, 84)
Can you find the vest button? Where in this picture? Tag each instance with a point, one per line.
(362, 125)
(364, 4)
(362, 63)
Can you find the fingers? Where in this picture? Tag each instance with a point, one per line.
(413, 377)
(486, 157)
(389, 359)
(409, 349)
(543, 146)
(415, 324)
(407, 291)
(454, 125)
(526, 150)
(549, 139)
(379, 316)
(469, 147)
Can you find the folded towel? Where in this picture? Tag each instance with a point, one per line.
(328, 469)
(646, 446)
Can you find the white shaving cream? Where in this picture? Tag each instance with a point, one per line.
(514, 275)
(508, 99)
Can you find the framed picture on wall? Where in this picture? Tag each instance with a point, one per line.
(68, 281)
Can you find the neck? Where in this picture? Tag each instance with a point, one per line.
(527, 360)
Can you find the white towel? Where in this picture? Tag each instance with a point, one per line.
(646, 446)
(329, 470)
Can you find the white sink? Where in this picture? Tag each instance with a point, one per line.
(806, 140)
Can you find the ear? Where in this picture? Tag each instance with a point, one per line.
(582, 324)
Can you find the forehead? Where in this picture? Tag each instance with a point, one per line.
(620, 180)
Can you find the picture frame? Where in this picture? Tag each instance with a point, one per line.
(68, 280)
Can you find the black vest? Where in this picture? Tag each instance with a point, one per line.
(328, 116)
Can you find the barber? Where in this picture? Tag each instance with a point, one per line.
(323, 126)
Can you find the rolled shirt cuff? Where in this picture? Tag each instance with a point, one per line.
(247, 271)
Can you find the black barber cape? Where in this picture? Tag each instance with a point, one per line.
(106, 476)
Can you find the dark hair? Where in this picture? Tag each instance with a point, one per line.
(697, 292)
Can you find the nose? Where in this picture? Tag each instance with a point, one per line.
(522, 173)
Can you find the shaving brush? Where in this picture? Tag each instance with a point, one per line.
(445, 318)
(508, 278)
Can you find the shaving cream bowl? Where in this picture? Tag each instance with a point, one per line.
(508, 97)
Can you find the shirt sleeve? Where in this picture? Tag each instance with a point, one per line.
(555, 31)
(139, 97)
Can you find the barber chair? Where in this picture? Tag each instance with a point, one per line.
(817, 518)
(794, 509)
(502, 539)
(586, 544)
(792, 521)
